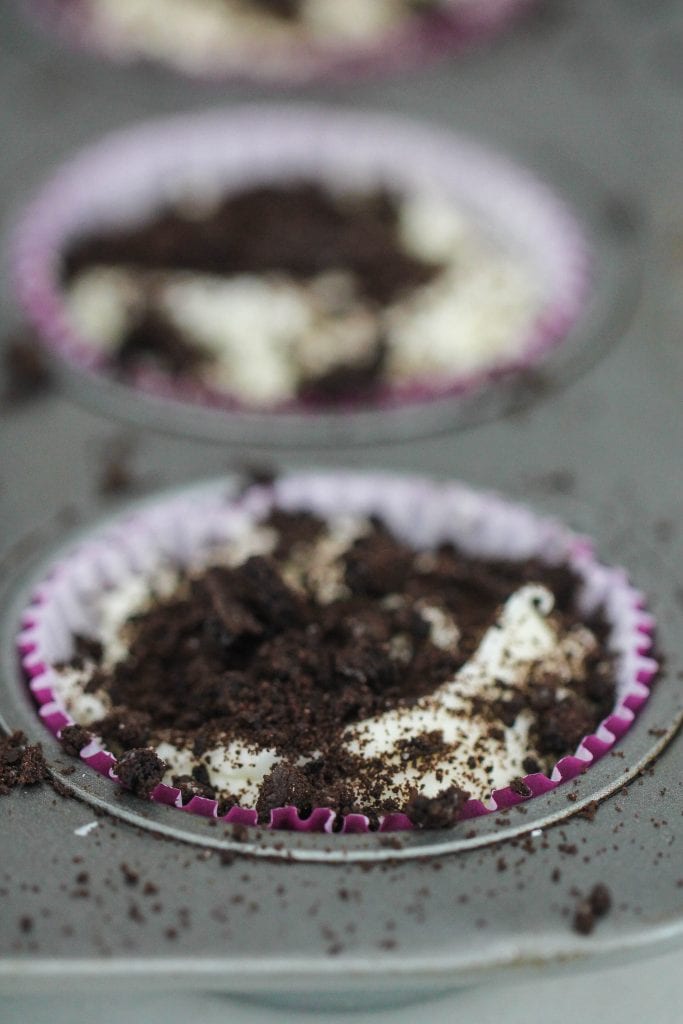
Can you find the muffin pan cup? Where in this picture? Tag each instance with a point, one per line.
(129, 175)
(183, 530)
(416, 41)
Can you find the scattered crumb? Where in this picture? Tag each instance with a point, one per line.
(21, 764)
(117, 476)
(131, 877)
(27, 374)
(589, 910)
(140, 770)
(440, 811)
(589, 811)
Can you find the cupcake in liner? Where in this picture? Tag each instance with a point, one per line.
(497, 268)
(333, 41)
(197, 528)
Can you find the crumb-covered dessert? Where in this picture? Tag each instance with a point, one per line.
(295, 291)
(317, 661)
(291, 262)
(199, 35)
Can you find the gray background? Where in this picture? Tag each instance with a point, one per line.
(600, 81)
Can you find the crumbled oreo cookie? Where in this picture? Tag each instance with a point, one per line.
(21, 763)
(251, 652)
(74, 738)
(589, 910)
(289, 10)
(440, 811)
(26, 371)
(141, 771)
(285, 786)
(125, 729)
(153, 339)
(300, 230)
(600, 899)
(116, 473)
(520, 787)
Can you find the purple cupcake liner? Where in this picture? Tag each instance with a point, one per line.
(417, 40)
(129, 174)
(177, 529)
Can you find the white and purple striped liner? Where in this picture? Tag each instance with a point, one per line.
(422, 512)
(417, 40)
(130, 174)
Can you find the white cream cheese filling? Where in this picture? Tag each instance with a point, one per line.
(523, 636)
(237, 768)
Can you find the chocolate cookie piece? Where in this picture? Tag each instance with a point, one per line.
(21, 763)
(440, 811)
(140, 770)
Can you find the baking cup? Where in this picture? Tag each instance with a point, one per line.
(179, 529)
(415, 40)
(130, 175)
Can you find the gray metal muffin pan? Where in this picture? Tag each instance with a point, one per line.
(350, 916)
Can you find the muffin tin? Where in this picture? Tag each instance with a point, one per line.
(373, 924)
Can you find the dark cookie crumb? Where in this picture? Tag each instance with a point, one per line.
(391, 842)
(583, 921)
(589, 811)
(600, 899)
(130, 876)
(153, 339)
(27, 374)
(565, 724)
(289, 10)
(21, 764)
(441, 811)
(520, 787)
(135, 914)
(117, 475)
(588, 911)
(124, 730)
(358, 379)
(240, 833)
(255, 474)
(141, 771)
(86, 648)
(60, 789)
(74, 738)
(285, 786)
